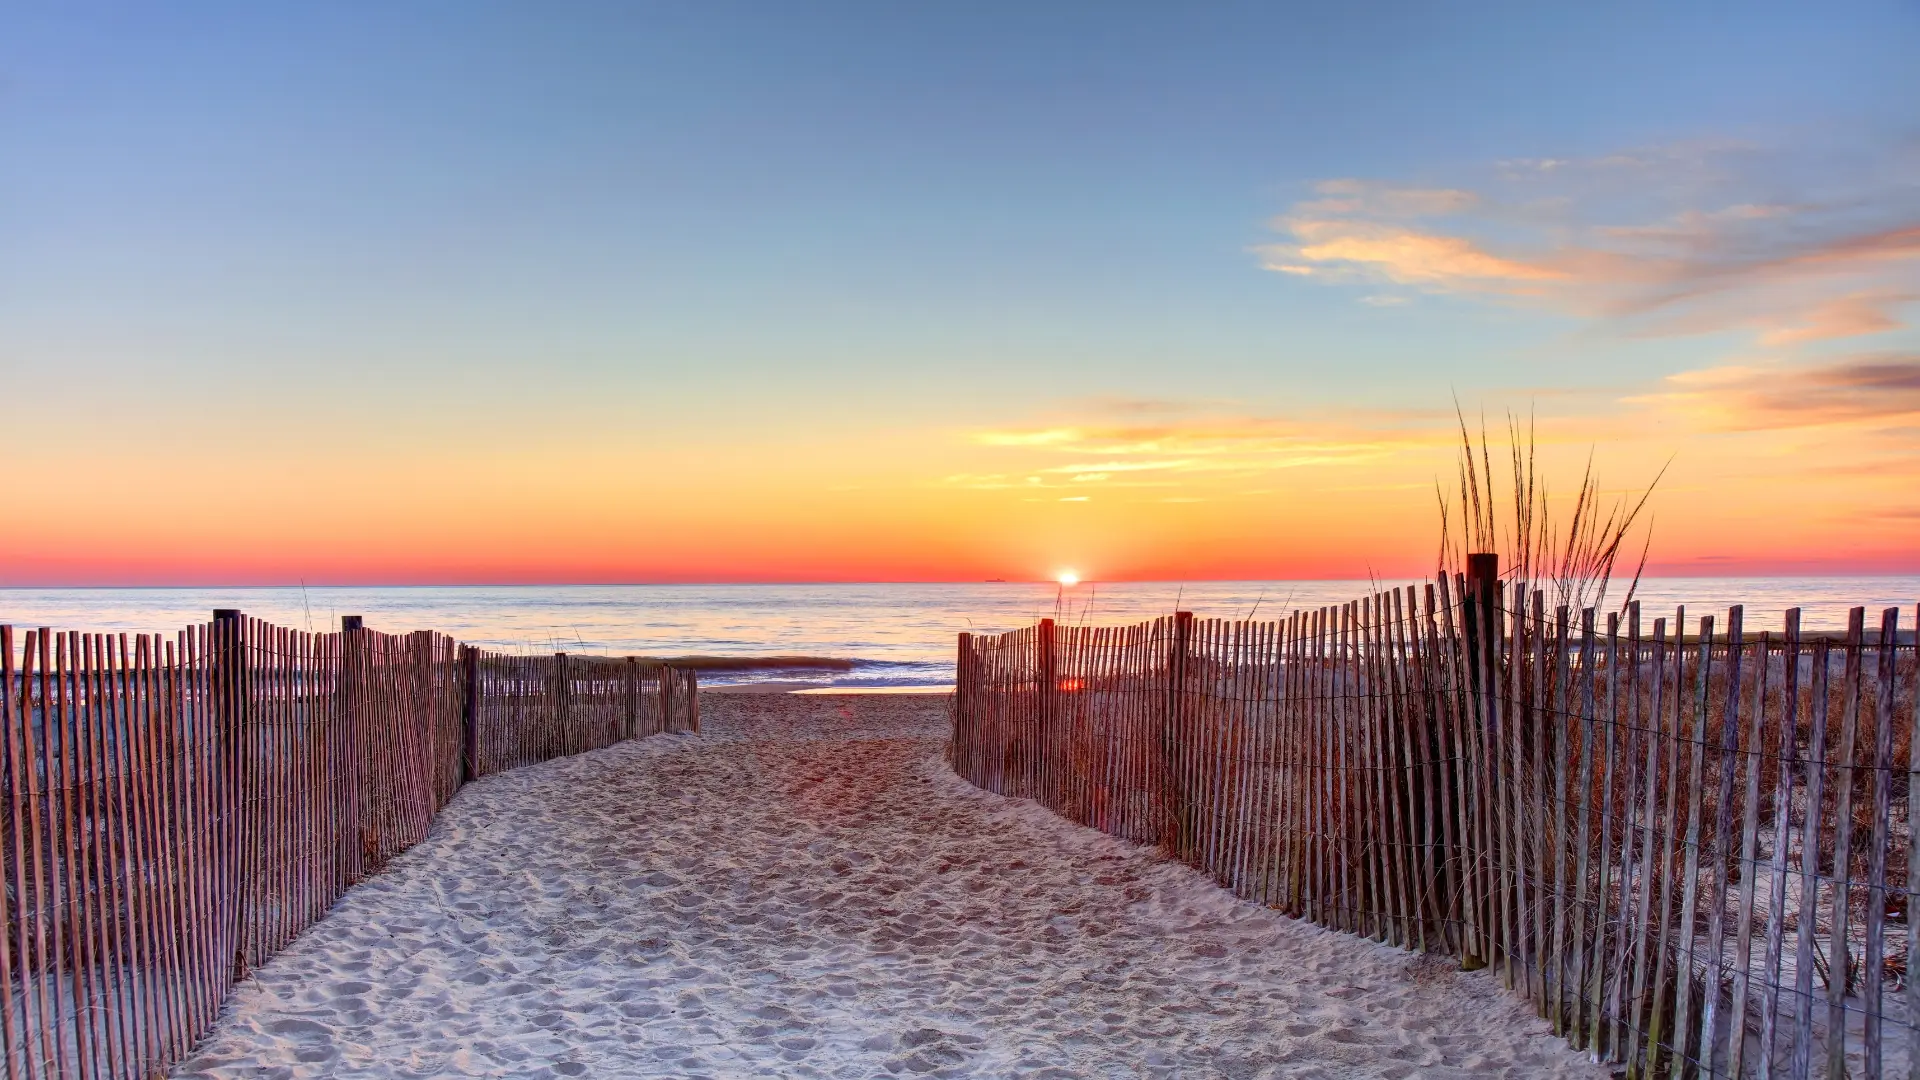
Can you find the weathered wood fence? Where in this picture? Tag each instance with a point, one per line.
(1687, 846)
(179, 807)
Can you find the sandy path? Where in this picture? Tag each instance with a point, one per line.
(805, 890)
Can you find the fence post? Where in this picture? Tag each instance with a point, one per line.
(469, 714)
(349, 702)
(1174, 798)
(693, 698)
(962, 716)
(668, 718)
(633, 697)
(562, 733)
(229, 661)
(1040, 766)
(1478, 607)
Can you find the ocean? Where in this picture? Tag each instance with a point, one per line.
(895, 634)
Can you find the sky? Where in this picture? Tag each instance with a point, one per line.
(620, 292)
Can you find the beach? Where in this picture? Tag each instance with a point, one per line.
(805, 889)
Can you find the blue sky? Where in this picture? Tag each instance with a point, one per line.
(403, 221)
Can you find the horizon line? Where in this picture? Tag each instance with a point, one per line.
(1085, 582)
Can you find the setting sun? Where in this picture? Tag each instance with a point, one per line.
(1068, 579)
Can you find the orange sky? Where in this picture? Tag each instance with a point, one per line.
(1116, 490)
(601, 297)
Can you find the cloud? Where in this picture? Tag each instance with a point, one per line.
(1350, 196)
(1109, 467)
(1368, 250)
(1866, 389)
(1174, 453)
(981, 481)
(1791, 246)
(1844, 317)
(1045, 437)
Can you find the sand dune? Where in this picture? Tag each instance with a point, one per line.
(805, 890)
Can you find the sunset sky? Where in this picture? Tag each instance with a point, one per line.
(597, 292)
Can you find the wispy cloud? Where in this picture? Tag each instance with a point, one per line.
(1401, 255)
(1842, 317)
(1864, 389)
(1177, 451)
(1693, 238)
(1103, 469)
(1042, 437)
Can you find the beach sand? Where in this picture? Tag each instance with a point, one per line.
(806, 890)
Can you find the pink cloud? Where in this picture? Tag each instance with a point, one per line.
(1589, 239)
(1848, 316)
(1880, 389)
(1404, 256)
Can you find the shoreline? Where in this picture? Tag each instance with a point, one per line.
(794, 686)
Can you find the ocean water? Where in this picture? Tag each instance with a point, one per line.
(897, 634)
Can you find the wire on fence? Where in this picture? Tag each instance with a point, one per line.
(179, 808)
(1688, 846)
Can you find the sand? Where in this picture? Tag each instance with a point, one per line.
(805, 890)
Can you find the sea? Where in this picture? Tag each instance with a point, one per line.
(895, 635)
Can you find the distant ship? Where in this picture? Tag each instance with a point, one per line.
(996, 581)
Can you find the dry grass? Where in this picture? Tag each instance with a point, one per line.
(1573, 560)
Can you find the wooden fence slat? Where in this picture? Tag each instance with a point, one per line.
(40, 758)
(1672, 729)
(1880, 779)
(1391, 711)
(1376, 829)
(1380, 821)
(13, 949)
(1802, 1062)
(1417, 744)
(1913, 870)
(1580, 1030)
(1608, 727)
(1619, 1024)
(137, 999)
(1407, 759)
(1540, 721)
(1722, 829)
(63, 726)
(1839, 951)
(1442, 775)
(1319, 701)
(1749, 852)
(1290, 831)
(1490, 658)
(1782, 834)
(1346, 762)
(1690, 877)
(1477, 952)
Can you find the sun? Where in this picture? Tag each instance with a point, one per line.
(1068, 579)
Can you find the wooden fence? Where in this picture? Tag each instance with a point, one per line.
(1686, 845)
(179, 808)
